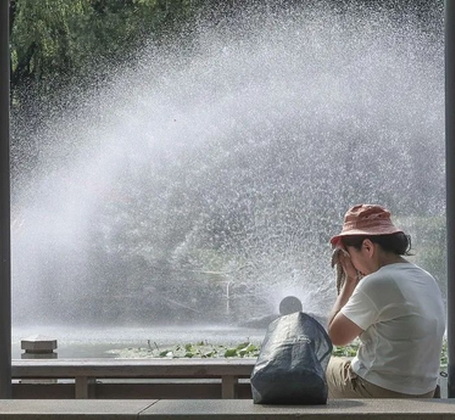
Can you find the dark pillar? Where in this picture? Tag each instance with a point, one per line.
(450, 185)
(5, 254)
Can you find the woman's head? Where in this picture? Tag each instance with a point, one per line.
(371, 239)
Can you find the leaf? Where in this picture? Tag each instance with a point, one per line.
(230, 352)
(242, 345)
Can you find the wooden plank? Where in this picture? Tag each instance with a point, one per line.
(127, 389)
(132, 368)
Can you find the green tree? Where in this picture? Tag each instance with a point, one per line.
(61, 49)
(54, 42)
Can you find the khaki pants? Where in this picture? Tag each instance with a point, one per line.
(342, 382)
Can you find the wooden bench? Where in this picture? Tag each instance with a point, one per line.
(86, 371)
(386, 409)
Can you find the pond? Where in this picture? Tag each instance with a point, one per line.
(100, 342)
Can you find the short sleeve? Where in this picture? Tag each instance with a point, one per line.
(360, 309)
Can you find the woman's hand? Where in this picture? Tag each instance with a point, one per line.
(351, 273)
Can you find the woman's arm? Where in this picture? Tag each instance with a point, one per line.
(342, 330)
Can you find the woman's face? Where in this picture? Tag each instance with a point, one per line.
(361, 259)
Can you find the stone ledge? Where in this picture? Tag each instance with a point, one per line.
(389, 409)
(73, 409)
(335, 410)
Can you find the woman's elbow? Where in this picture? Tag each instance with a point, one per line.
(343, 331)
(338, 339)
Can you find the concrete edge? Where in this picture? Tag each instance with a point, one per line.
(372, 409)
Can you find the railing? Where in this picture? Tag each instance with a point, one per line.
(85, 372)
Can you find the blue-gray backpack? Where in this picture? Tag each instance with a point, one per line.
(291, 365)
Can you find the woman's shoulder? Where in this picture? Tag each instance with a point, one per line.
(392, 274)
(386, 276)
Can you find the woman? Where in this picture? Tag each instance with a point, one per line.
(393, 306)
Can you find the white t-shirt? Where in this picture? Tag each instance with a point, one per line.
(401, 311)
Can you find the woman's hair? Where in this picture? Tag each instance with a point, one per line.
(397, 243)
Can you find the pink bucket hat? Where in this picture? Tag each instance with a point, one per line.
(366, 219)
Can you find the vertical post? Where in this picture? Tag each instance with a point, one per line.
(5, 264)
(450, 184)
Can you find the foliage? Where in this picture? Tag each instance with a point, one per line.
(345, 351)
(62, 38)
(61, 49)
(44, 38)
(200, 349)
(247, 349)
